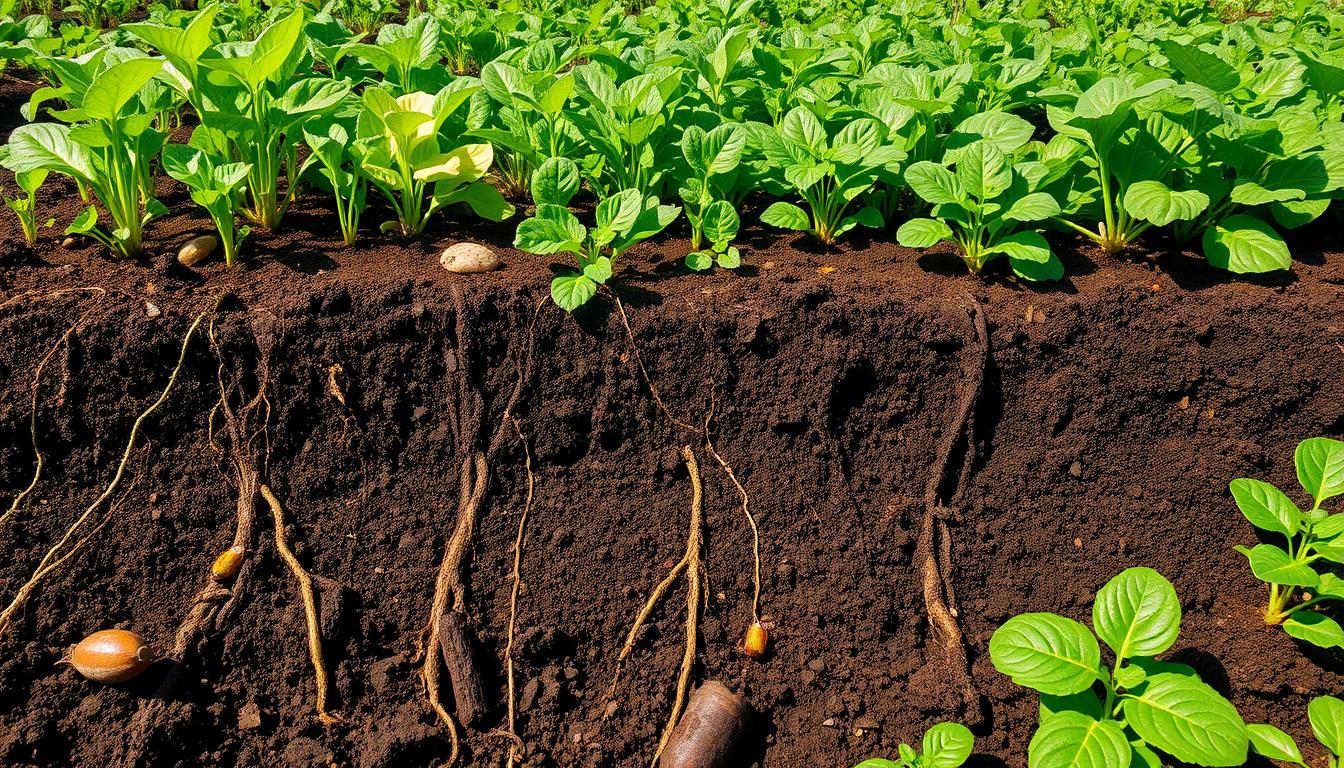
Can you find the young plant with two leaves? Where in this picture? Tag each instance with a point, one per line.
(399, 148)
(108, 147)
(1326, 715)
(1124, 153)
(945, 745)
(333, 156)
(1306, 542)
(829, 171)
(1094, 715)
(985, 195)
(24, 204)
(621, 220)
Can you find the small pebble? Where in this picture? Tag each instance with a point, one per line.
(152, 309)
(469, 258)
(70, 243)
(196, 250)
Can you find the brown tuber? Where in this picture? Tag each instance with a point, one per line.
(757, 640)
(111, 656)
(707, 735)
(228, 563)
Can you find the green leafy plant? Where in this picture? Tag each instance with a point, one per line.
(1311, 539)
(216, 187)
(398, 148)
(331, 145)
(1326, 714)
(621, 221)
(983, 202)
(945, 745)
(529, 120)
(829, 171)
(1093, 716)
(107, 150)
(1136, 139)
(712, 157)
(24, 205)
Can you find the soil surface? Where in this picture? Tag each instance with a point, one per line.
(1120, 403)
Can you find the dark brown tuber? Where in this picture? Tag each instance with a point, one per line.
(708, 733)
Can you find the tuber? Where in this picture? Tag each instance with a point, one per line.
(227, 564)
(707, 735)
(111, 656)
(757, 640)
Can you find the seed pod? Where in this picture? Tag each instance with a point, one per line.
(227, 564)
(757, 640)
(708, 732)
(111, 656)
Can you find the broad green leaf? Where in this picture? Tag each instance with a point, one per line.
(1320, 467)
(556, 181)
(1326, 714)
(786, 216)
(1037, 271)
(1157, 203)
(1137, 613)
(700, 260)
(1188, 720)
(1270, 742)
(570, 292)
(1273, 566)
(922, 233)
(1037, 206)
(1266, 507)
(1046, 652)
(935, 184)
(116, 85)
(599, 271)
(1073, 740)
(458, 166)
(84, 222)
(947, 745)
(483, 199)
(1315, 628)
(720, 222)
(1025, 246)
(619, 212)
(552, 230)
(802, 127)
(1201, 67)
(1007, 132)
(1245, 244)
(38, 146)
(983, 171)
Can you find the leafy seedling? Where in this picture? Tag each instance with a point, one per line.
(24, 206)
(217, 187)
(945, 745)
(1326, 714)
(622, 220)
(1311, 539)
(1095, 717)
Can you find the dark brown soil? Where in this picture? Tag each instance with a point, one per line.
(1121, 402)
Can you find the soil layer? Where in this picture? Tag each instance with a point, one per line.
(1121, 402)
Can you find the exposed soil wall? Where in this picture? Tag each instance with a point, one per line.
(1119, 405)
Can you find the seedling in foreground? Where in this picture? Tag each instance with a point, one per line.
(1310, 537)
(25, 206)
(1326, 714)
(216, 187)
(1094, 717)
(945, 745)
(622, 220)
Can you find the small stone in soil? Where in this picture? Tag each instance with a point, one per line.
(469, 258)
(196, 250)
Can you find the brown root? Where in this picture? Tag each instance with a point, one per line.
(309, 605)
(62, 343)
(466, 422)
(692, 565)
(933, 548)
(517, 747)
(69, 543)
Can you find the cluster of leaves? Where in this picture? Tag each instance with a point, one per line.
(1303, 543)
(987, 124)
(1101, 716)
(945, 745)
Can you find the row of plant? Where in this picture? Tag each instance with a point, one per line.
(1135, 708)
(973, 126)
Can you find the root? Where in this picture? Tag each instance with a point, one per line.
(517, 748)
(61, 343)
(934, 546)
(64, 548)
(450, 591)
(692, 565)
(309, 605)
(39, 295)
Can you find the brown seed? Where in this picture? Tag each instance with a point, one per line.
(111, 656)
(227, 564)
(757, 640)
